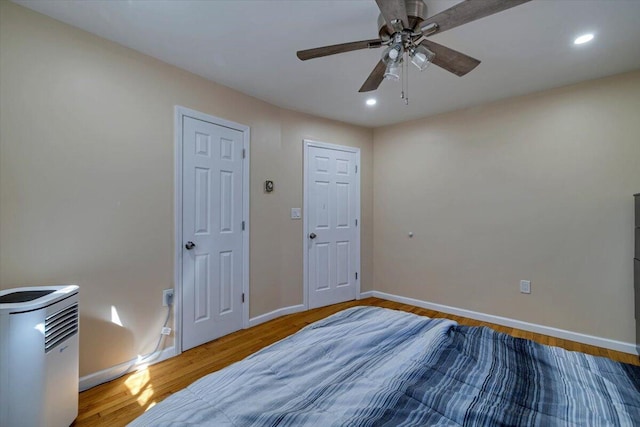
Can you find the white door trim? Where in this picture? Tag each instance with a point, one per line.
(305, 219)
(180, 113)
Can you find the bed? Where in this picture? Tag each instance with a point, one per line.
(370, 366)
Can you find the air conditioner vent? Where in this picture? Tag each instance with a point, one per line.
(60, 326)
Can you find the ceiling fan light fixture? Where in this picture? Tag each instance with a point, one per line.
(421, 57)
(393, 71)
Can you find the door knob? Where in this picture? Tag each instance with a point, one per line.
(312, 236)
(190, 245)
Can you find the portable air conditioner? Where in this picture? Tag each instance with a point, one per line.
(39, 356)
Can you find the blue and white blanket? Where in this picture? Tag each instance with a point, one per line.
(369, 366)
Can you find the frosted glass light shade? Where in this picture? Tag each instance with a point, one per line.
(421, 57)
(392, 72)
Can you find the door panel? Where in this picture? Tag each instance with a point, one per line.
(342, 263)
(212, 219)
(342, 205)
(332, 209)
(201, 291)
(226, 282)
(323, 266)
(202, 201)
(636, 290)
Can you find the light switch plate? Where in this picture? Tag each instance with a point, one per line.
(296, 213)
(525, 286)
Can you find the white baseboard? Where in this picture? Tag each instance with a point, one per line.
(106, 375)
(276, 313)
(625, 347)
(117, 371)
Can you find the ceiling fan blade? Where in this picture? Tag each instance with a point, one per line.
(468, 11)
(375, 78)
(392, 10)
(451, 60)
(337, 48)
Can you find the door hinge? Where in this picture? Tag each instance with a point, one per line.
(356, 168)
(244, 153)
(243, 297)
(356, 222)
(356, 275)
(242, 225)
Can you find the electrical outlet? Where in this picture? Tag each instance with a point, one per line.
(525, 286)
(166, 331)
(167, 297)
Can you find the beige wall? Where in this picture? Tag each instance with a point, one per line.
(537, 187)
(86, 179)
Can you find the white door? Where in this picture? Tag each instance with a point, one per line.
(332, 214)
(212, 251)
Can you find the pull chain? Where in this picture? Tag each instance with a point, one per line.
(402, 80)
(406, 80)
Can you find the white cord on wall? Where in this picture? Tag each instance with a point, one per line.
(126, 367)
(142, 359)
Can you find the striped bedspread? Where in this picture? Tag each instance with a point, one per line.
(369, 366)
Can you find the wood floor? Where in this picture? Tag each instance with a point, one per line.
(120, 401)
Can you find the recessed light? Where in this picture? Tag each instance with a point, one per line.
(583, 39)
(371, 101)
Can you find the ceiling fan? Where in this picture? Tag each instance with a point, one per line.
(403, 28)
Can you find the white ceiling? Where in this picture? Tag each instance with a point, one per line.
(250, 46)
